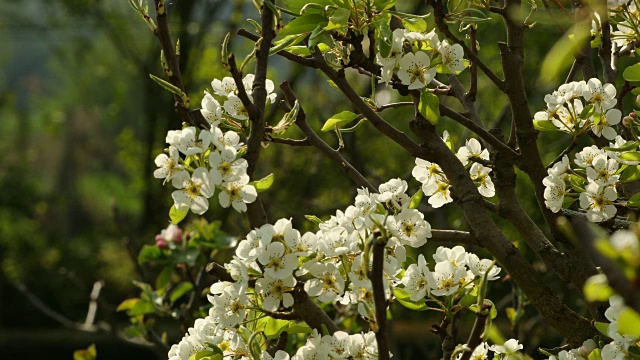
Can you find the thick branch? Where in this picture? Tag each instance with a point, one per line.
(379, 298)
(568, 323)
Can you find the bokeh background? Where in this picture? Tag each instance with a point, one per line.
(80, 125)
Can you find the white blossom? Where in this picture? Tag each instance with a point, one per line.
(194, 191)
(414, 70)
(276, 291)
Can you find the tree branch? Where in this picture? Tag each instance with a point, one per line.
(317, 142)
(379, 297)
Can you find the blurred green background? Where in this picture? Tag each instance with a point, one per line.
(80, 125)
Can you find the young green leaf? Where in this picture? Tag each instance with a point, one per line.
(314, 219)
(415, 199)
(179, 291)
(630, 155)
(634, 201)
(303, 24)
(544, 125)
(629, 323)
(178, 214)
(429, 106)
(339, 120)
(264, 183)
(632, 73)
(339, 19)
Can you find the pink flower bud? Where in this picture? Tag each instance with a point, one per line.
(177, 237)
(633, 114)
(161, 243)
(627, 121)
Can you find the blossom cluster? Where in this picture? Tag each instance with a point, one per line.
(566, 110)
(594, 179)
(616, 349)
(435, 183)
(199, 160)
(332, 265)
(418, 67)
(454, 270)
(510, 350)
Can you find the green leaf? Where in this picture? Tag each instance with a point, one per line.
(596, 354)
(631, 173)
(561, 55)
(605, 248)
(303, 24)
(187, 257)
(404, 298)
(544, 125)
(587, 111)
(629, 145)
(603, 328)
(151, 253)
(492, 313)
(468, 300)
(384, 35)
(207, 354)
(338, 20)
(264, 183)
(415, 199)
(179, 291)
(634, 201)
(314, 219)
(272, 327)
(127, 304)
(178, 214)
(429, 106)
(287, 43)
(577, 183)
(636, 91)
(629, 322)
(142, 307)
(89, 353)
(339, 120)
(512, 315)
(384, 5)
(163, 278)
(632, 73)
(596, 288)
(297, 5)
(630, 155)
(415, 24)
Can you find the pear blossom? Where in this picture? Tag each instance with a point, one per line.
(410, 227)
(509, 350)
(275, 292)
(194, 191)
(585, 157)
(279, 355)
(452, 56)
(238, 270)
(455, 255)
(211, 109)
(603, 97)
(480, 174)
(229, 303)
(427, 172)
(225, 167)
(238, 193)
(268, 85)
(169, 167)
(248, 249)
(603, 170)
(224, 87)
(598, 201)
(276, 264)
(445, 278)
(234, 107)
(363, 346)
(561, 168)
(187, 347)
(439, 193)
(394, 191)
(472, 148)
(189, 145)
(223, 140)
(416, 280)
(554, 192)
(414, 70)
(480, 266)
(612, 117)
(327, 283)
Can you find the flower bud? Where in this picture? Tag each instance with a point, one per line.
(627, 121)
(161, 243)
(177, 235)
(638, 99)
